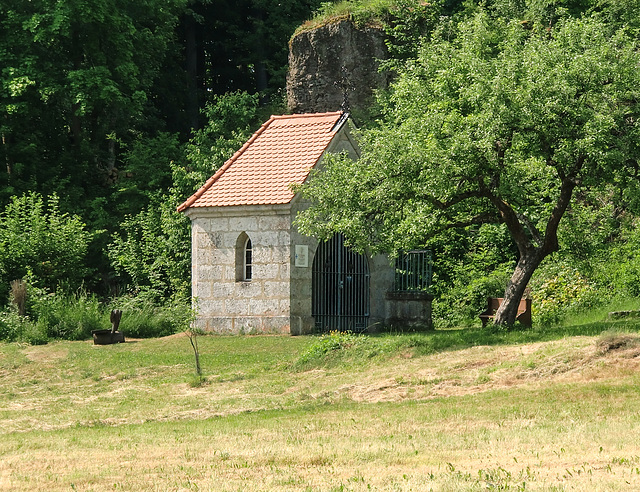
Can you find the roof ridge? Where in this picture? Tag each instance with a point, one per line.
(305, 115)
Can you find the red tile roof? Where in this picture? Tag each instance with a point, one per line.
(280, 153)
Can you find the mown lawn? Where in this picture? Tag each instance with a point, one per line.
(459, 410)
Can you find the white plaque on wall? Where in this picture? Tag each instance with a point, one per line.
(302, 255)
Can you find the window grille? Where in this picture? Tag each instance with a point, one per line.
(414, 270)
(247, 260)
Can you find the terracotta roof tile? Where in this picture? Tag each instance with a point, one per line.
(280, 153)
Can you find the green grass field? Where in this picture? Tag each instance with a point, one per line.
(448, 410)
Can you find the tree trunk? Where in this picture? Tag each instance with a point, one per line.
(191, 55)
(527, 264)
(531, 256)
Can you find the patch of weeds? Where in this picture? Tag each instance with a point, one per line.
(611, 341)
(327, 347)
(198, 381)
(632, 461)
(483, 379)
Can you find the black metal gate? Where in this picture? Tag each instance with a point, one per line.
(340, 295)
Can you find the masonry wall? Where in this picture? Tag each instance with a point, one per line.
(301, 281)
(224, 304)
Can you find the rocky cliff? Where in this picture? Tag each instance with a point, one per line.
(333, 61)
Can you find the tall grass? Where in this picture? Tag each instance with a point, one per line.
(360, 12)
(69, 317)
(73, 316)
(143, 319)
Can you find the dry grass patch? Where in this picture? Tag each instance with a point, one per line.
(558, 415)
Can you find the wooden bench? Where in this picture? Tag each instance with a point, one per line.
(493, 303)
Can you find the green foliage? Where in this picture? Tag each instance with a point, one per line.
(620, 272)
(558, 291)
(66, 316)
(493, 123)
(406, 22)
(142, 319)
(461, 304)
(152, 252)
(361, 12)
(37, 239)
(470, 266)
(77, 78)
(10, 325)
(147, 171)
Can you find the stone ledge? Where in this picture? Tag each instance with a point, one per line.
(633, 313)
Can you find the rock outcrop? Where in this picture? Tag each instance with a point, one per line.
(333, 62)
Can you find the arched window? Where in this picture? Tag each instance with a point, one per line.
(244, 258)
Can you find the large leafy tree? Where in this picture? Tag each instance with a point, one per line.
(77, 80)
(495, 122)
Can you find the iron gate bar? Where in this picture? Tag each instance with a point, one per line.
(340, 283)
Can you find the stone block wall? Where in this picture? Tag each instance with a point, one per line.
(224, 304)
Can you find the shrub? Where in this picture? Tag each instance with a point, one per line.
(467, 298)
(10, 323)
(17, 328)
(152, 252)
(42, 241)
(143, 319)
(33, 334)
(68, 316)
(560, 291)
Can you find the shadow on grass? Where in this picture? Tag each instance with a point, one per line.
(333, 349)
(456, 339)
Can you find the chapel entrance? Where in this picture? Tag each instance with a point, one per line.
(340, 288)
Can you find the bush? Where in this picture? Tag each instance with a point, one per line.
(68, 316)
(142, 319)
(34, 334)
(41, 241)
(17, 328)
(10, 325)
(467, 298)
(559, 291)
(152, 252)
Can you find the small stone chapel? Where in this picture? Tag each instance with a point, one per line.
(253, 272)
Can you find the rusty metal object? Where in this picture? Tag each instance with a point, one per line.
(106, 337)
